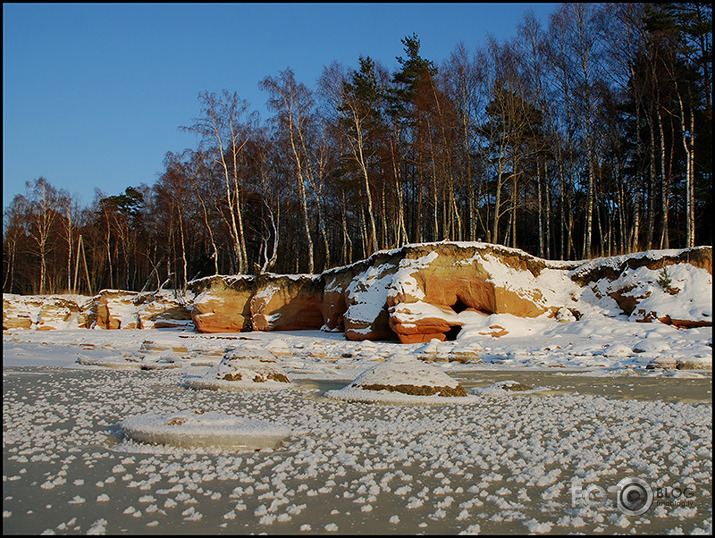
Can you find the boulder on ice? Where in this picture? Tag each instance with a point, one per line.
(402, 378)
(243, 368)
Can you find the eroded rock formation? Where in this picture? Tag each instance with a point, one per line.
(415, 294)
(287, 303)
(222, 303)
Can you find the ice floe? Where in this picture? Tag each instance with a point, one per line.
(203, 429)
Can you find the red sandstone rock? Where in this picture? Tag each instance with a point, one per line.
(115, 310)
(380, 298)
(161, 311)
(367, 316)
(334, 304)
(287, 303)
(17, 312)
(453, 278)
(222, 304)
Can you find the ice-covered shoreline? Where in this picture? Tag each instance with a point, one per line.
(504, 464)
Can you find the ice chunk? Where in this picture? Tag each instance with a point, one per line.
(189, 429)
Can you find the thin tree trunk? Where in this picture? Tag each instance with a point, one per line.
(109, 256)
(691, 183)
(541, 210)
(183, 251)
(420, 175)
(562, 210)
(664, 185)
(360, 158)
(208, 227)
(468, 179)
(301, 193)
(402, 236)
(243, 258)
(513, 210)
(547, 204)
(651, 187)
(635, 243)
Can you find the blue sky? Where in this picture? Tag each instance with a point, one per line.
(93, 94)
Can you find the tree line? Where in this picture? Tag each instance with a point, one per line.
(591, 136)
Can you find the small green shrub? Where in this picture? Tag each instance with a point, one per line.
(666, 282)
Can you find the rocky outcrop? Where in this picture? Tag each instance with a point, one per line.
(614, 267)
(115, 310)
(45, 312)
(222, 303)
(109, 309)
(58, 313)
(287, 303)
(366, 316)
(416, 293)
(431, 291)
(397, 377)
(642, 284)
(20, 312)
(334, 305)
(162, 312)
(266, 302)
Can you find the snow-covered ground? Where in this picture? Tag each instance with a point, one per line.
(586, 414)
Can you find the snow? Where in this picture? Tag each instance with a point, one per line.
(267, 293)
(554, 286)
(368, 292)
(197, 429)
(88, 448)
(245, 367)
(400, 369)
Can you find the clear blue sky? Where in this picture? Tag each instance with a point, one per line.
(93, 94)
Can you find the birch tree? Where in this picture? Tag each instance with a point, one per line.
(43, 202)
(225, 125)
(292, 103)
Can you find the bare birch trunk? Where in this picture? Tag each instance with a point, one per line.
(665, 187)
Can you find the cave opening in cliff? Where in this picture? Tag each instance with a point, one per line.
(459, 306)
(452, 333)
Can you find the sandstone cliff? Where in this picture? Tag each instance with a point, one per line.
(415, 294)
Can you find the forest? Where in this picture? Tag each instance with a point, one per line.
(590, 136)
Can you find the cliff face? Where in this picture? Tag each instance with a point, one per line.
(222, 303)
(415, 294)
(109, 309)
